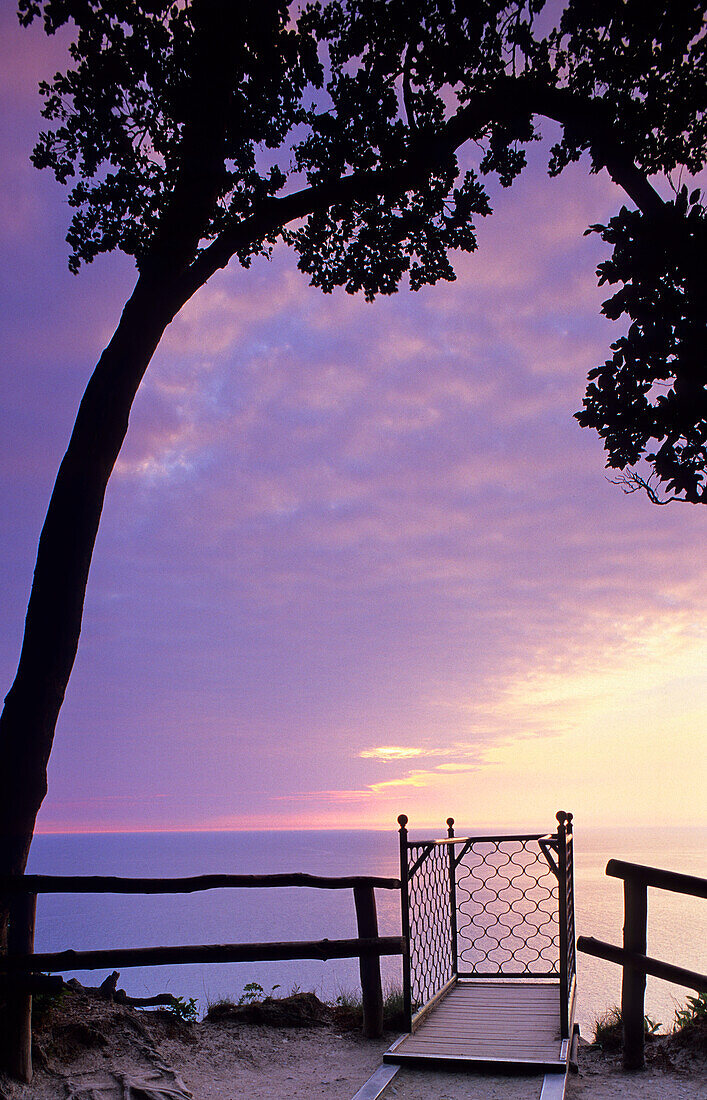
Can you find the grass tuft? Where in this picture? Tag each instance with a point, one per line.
(348, 1008)
(346, 1011)
(692, 1015)
(609, 1027)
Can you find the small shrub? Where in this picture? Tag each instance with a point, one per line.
(251, 992)
(692, 1014)
(43, 1004)
(183, 1009)
(609, 1029)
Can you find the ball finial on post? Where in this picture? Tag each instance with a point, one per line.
(402, 821)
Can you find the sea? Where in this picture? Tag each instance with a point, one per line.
(677, 925)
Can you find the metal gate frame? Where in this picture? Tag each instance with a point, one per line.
(445, 905)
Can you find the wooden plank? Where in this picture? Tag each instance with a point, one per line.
(504, 1012)
(540, 1011)
(477, 1061)
(529, 1052)
(524, 1023)
(512, 1023)
(502, 995)
(481, 1008)
(528, 1039)
(490, 1036)
(485, 1054)
(526, 1009)
(478, 1027)
(536, 984)
(479, 1050)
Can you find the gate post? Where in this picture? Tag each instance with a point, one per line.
(561, 817)
(405, 921)
(452, 897)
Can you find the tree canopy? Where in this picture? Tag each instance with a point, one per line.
(230, 107)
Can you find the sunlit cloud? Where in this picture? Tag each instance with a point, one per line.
(391, 752)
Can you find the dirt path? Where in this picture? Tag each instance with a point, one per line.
(90, 1049)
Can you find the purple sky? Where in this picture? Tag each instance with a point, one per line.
(356, 559)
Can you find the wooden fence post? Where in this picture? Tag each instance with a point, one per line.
(369, 965)
(20, 941)
(633, 982)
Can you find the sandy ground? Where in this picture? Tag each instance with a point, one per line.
(94, 1050)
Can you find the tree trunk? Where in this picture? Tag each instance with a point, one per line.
(53, 622)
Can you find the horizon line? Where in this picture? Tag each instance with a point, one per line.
(167, 831)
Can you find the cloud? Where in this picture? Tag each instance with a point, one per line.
(391, 752)
(353, 553)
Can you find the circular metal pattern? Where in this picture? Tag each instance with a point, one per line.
(507, 910)
(430, 922)
(507, 919)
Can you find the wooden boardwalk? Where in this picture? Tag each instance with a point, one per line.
(490, 1022)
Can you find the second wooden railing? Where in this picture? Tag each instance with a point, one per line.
(632, 956)
(21, 969)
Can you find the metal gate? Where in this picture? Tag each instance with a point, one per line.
(487, 907)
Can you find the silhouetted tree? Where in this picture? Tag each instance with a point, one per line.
(198, 132)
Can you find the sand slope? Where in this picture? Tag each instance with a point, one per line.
(88, 1048)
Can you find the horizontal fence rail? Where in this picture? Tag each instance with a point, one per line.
(106, 884)
(636, 963)
(22, 971)
(678, 975)
(661, 880)
(54, 961)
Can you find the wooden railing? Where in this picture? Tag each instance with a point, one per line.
(632, 956)
(23, 972)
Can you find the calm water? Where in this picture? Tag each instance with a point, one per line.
(677, 926)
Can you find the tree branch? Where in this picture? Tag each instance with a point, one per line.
(630, 481)
(512, 98)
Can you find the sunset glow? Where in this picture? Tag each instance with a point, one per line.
(355, 560)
